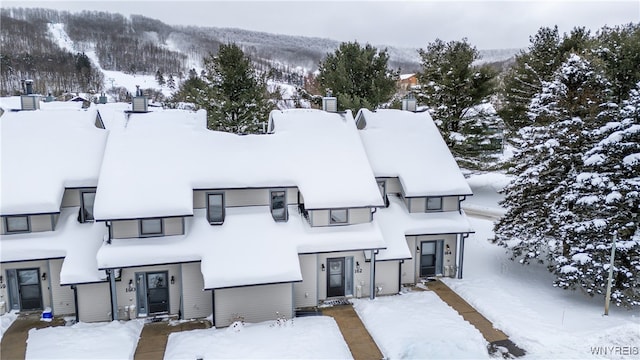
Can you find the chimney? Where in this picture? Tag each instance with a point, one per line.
(49, 98)
(409, 103)
(139, 102)
(103, 98)
(329, 103)
(29, 101)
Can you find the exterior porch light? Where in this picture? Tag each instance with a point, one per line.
(44, 276)
(322, 266)
(173, 280)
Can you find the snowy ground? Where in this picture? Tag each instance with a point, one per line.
(418, 325)
(307, 337)
(6, 320)
(545, 321)
(112, 340)
(520, 300)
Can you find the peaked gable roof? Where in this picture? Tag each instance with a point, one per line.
(45, 151)
(409, 146)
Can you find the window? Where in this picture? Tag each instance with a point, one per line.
(88, 198)
(434, 203)
(279, 205)
(151, 227)
(17, 224)
(338, 216)
(215, 208)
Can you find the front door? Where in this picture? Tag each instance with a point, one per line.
(335, 277)
(29, 289)
(152, 293)
(430, 258)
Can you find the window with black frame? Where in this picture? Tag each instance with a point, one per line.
(279, 205)
(215, 208)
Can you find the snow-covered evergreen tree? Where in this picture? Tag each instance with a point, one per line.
(548, 161)
(605, 198)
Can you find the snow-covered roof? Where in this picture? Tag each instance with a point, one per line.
(406, 76)
(45, 151)
(268, 250)
(76, 242)
(154, 160)
(396, 223)
(409, 146)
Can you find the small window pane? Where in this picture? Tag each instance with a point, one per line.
(338, 216)
(434, 203)
(151, 227)
(215, 209)
(278, 205)
(17, 224)
(88, 199)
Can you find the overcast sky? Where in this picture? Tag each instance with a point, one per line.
(487, 24)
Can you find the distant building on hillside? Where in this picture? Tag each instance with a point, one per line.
(407, 81)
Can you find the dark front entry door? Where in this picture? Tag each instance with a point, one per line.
(430, 258)
(335, 277)
(157, 292)
(29, 289)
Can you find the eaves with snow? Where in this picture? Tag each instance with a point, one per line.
(153, 162)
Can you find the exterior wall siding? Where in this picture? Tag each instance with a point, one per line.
(450, 203)
(2, 229)
(196, 301)
(71, 198)
(173, 226)
(393, 186)
(42, 222)
(418, 205)
(253, 303)
(356, 216)
(361, 279)
(123, 229)
(94, 302)
(61, 296)
(409, 267)
(243, 197)
(126, 298)
(306, 292)
(387, 277)
(42, 266)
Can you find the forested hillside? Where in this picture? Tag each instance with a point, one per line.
(141, 45)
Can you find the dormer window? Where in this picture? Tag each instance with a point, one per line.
(88, 198)
(151, 227)
(434, 203)
(16, 224)
(338, 216)
(279, 205)
(215, 208)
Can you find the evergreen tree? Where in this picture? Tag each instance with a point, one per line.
(548, 161)
(234, 95)
(160, 78)
(358, 76)
(547, 50)
(605, 199)
(619, 50)
(451, 85)
(171, 83)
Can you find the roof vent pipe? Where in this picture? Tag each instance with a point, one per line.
(140, 102)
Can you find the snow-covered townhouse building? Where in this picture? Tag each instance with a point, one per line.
(247, 227)
(50, 161)
(423, 225)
